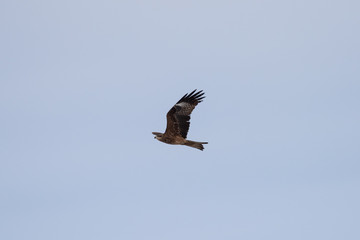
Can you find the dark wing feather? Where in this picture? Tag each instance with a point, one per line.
(178, 118)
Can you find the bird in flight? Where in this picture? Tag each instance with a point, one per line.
(178, 121)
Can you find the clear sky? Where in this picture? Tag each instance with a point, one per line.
(84, 83)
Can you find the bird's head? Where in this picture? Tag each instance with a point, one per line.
(157, 135)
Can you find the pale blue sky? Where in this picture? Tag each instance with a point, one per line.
(84, 83)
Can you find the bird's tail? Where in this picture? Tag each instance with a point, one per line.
(198, 145)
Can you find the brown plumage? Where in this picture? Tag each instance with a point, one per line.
(178, 121)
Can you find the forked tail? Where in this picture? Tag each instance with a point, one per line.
(198, 145)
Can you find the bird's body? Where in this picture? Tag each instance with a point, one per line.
(178, 121)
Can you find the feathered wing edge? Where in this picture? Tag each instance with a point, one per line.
(192, 98)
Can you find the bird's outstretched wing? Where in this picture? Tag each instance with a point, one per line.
(178, 118)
